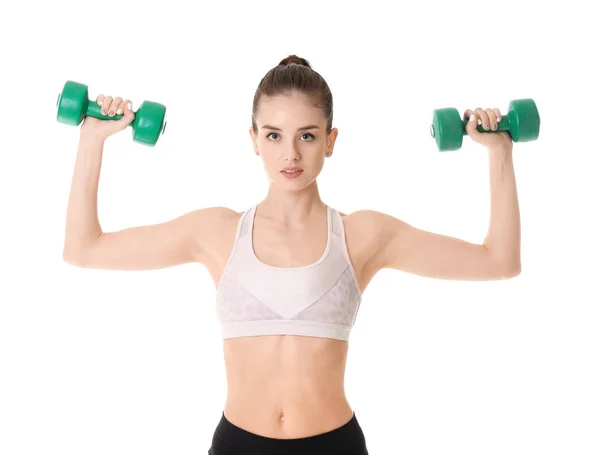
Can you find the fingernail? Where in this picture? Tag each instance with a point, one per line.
(498, 119)
(479, 121)
(99, 103)
(103, 111)
(487, 127)
(129, 106)
(111, 113)
(472, 118)
(494, 127)
(119, 111)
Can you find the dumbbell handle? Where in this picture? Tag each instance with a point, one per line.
(504, 125)
(93, 109)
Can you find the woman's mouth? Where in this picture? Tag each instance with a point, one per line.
(291, 172)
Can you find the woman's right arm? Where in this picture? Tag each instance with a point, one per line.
(188, 238)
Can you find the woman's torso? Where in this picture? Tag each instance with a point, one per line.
(287, 386)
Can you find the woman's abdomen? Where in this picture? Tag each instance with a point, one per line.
(285, 386)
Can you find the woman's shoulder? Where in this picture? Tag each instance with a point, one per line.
(357, 215)
(221, 213)
(369, 224)
(216, 220)
(358, 223)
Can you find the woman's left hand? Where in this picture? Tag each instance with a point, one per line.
(488, 119)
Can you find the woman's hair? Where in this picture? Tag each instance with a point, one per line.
(295, 74)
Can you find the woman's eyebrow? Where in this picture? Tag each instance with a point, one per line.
(307, 127)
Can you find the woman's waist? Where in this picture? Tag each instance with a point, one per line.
(295, 415)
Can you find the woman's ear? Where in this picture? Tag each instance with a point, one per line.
(254, 145)
(331, 141)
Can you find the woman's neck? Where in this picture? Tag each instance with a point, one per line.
(292, 207)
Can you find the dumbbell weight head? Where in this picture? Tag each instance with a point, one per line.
(522, 122)
(447, 129)
(74, 104)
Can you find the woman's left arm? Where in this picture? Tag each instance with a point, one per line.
(404, 247)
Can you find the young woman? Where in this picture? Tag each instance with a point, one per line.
(289, 272)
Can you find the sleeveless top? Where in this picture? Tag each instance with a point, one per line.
(317, 300)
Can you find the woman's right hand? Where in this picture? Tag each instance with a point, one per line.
(102, 129)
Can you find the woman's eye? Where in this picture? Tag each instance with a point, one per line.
(305, 134)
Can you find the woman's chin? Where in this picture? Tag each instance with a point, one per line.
(286, 183)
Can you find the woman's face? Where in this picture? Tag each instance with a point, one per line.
(291, 133)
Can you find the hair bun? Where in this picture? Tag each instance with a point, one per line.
(294, 59)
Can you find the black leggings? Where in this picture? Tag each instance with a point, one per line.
(229, 439)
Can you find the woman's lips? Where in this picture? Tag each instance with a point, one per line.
(291, 175)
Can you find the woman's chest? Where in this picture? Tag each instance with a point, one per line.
(288, 248)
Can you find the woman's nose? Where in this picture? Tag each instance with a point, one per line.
(291, 154)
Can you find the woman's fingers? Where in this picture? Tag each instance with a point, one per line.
(488, 118)
(126, 107)
(106, 104)
(128, 115)
(114, 106)
(492, 119)
(498, 115)
(483, 119)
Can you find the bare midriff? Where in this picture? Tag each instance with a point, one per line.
(286, 386)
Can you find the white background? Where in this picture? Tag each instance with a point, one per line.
(99, 362)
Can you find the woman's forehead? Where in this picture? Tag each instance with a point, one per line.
(288, 109)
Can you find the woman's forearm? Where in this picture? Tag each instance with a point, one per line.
(82, 225)
(503, 239)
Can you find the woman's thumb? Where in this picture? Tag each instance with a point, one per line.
(471, 125)
(128, 115)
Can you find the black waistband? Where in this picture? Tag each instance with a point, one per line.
(347, 439)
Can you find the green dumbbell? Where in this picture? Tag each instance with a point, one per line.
(74, 104)
(522, 123)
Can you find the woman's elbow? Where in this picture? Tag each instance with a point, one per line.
(73, 257)
(510, 271)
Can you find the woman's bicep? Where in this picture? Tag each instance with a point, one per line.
(413, 250)
(177, 241)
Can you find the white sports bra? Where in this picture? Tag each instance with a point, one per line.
(318, 300)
